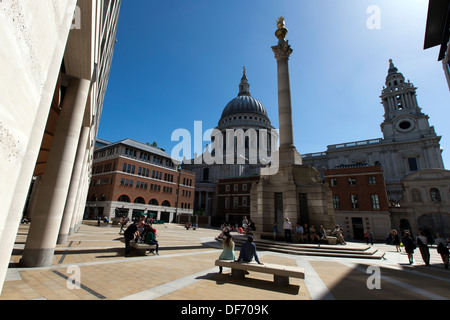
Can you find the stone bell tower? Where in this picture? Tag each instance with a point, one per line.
(288, 189)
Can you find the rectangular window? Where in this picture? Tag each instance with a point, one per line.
(236, 187)
(354, 201)
(412, 162)
(333, 182)
(351, 181)
(227, 187)
(375, 201)
(129, 168)
(235, 202)
(124, 167)
(227, 203)
(244, 187)
(336, 202)
(244, 201)
(372, 180)
(122, 182)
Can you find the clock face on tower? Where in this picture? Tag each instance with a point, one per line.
(404, 124)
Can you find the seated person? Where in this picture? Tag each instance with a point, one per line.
(151, 239)
(248, 251)
(130, 233)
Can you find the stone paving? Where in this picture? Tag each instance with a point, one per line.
(185, 270)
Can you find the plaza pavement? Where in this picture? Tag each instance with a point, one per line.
(185, 270)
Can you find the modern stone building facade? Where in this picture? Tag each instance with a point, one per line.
(130, 177)
(55, 57)
(437, 32)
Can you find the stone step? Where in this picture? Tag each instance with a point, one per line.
(345, 251)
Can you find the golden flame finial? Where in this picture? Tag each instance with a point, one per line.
(280, 23)
(281, 31)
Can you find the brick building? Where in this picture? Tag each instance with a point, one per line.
(360, 200)
(130, 177)
(233, 199)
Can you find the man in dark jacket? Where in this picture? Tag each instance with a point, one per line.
(248, 251)
(129, 235)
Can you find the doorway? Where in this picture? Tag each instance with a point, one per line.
(358, 228)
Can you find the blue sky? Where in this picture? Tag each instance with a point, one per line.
(179, 61)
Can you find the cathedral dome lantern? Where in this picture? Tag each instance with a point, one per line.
(244, 111)
(394, 78)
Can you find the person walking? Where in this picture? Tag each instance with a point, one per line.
(228, 250)
(275, 230)
(410, 246)
(368, 235)
(422, 242)
(396, 240)
(299, 232)
(442, 248)
(287, 226)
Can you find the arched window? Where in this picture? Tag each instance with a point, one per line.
(139, 200)
(435, 195)
(124, 198)
(154, 202)
(166, 203)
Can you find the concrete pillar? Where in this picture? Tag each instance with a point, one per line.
(79, 203)
(74, 186)
(33, 196)
(43, 234)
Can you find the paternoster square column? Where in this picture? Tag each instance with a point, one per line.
(287, 152)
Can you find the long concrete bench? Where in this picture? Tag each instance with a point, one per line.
(140, 248)
(281, 274)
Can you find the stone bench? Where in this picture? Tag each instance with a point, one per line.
(281, 274)
(140, 248)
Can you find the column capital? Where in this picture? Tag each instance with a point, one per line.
(282, 50)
